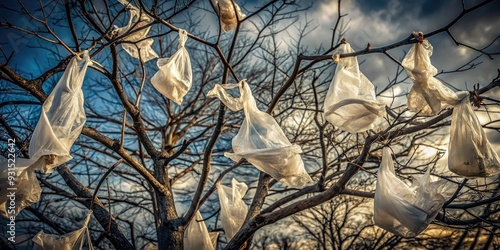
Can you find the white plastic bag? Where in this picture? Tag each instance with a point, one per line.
(233, 209)
(470, 152)
(174, 77)
(62, 118)
(197, 237)
(407, 210)
(427, 95)
(136, 39)
(20, 192)
(350, 103)
(225, 9)
(61, 121)
(261, 141)
(71, 241)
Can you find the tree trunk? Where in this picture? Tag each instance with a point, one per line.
(170, 236)
(170, 233)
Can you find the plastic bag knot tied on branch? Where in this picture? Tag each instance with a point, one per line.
(260, 139)
(197, 237)
(226, 10)
(428, 96)
(407, 210)
(174, 77)
(233, 208)
(469, 151)
(350, 103)
(137, 39)
(71, 241)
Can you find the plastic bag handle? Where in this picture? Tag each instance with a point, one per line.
(219, 91)
(182, 38)
(87, 219)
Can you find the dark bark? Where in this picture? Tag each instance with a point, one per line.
(115, 235)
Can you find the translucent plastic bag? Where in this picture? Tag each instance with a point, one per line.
(197, 237)
(407, 210)
(71, 241)
(136, 39)
(427, 95)
(17, 194)
(470, 152)
(233, 209)
(350, 103)
(261, 141)
(62, 118)
(225, 9)
(174, 77)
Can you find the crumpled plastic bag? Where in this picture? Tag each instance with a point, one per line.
(136, 39)
(62, 118)
(61, 121)
(20, 192)
(233, 209)
(71, 241)
(469, 151)
(428, 95)
(350, 103)
(197, 237)
(261, 141)
(227, 15)
(407, 210)
(174, 77)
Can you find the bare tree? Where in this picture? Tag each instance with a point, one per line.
(146, 165)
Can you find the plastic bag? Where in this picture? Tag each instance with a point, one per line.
(71, 241)
(61, 121)
(225, 9)
(20, 192)
(470, 152)
(174, 77)
(136, 39)
(233, 209)
(350, 103)
(260, 139)
(62, 118)
(407, 210)
(197, 237)
(428, 95)
(150, 246)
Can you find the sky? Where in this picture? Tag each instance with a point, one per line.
(377, 22)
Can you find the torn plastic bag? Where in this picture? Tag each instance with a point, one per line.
(71, 241)
(227, 16)
(197, 237)
(407, 210)
(469, 151)
(428, 96)
(233, 209)
(174, 77)
(261, 141)
(62, 118)
(350, 103)
(137, 39)
(18, 192)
